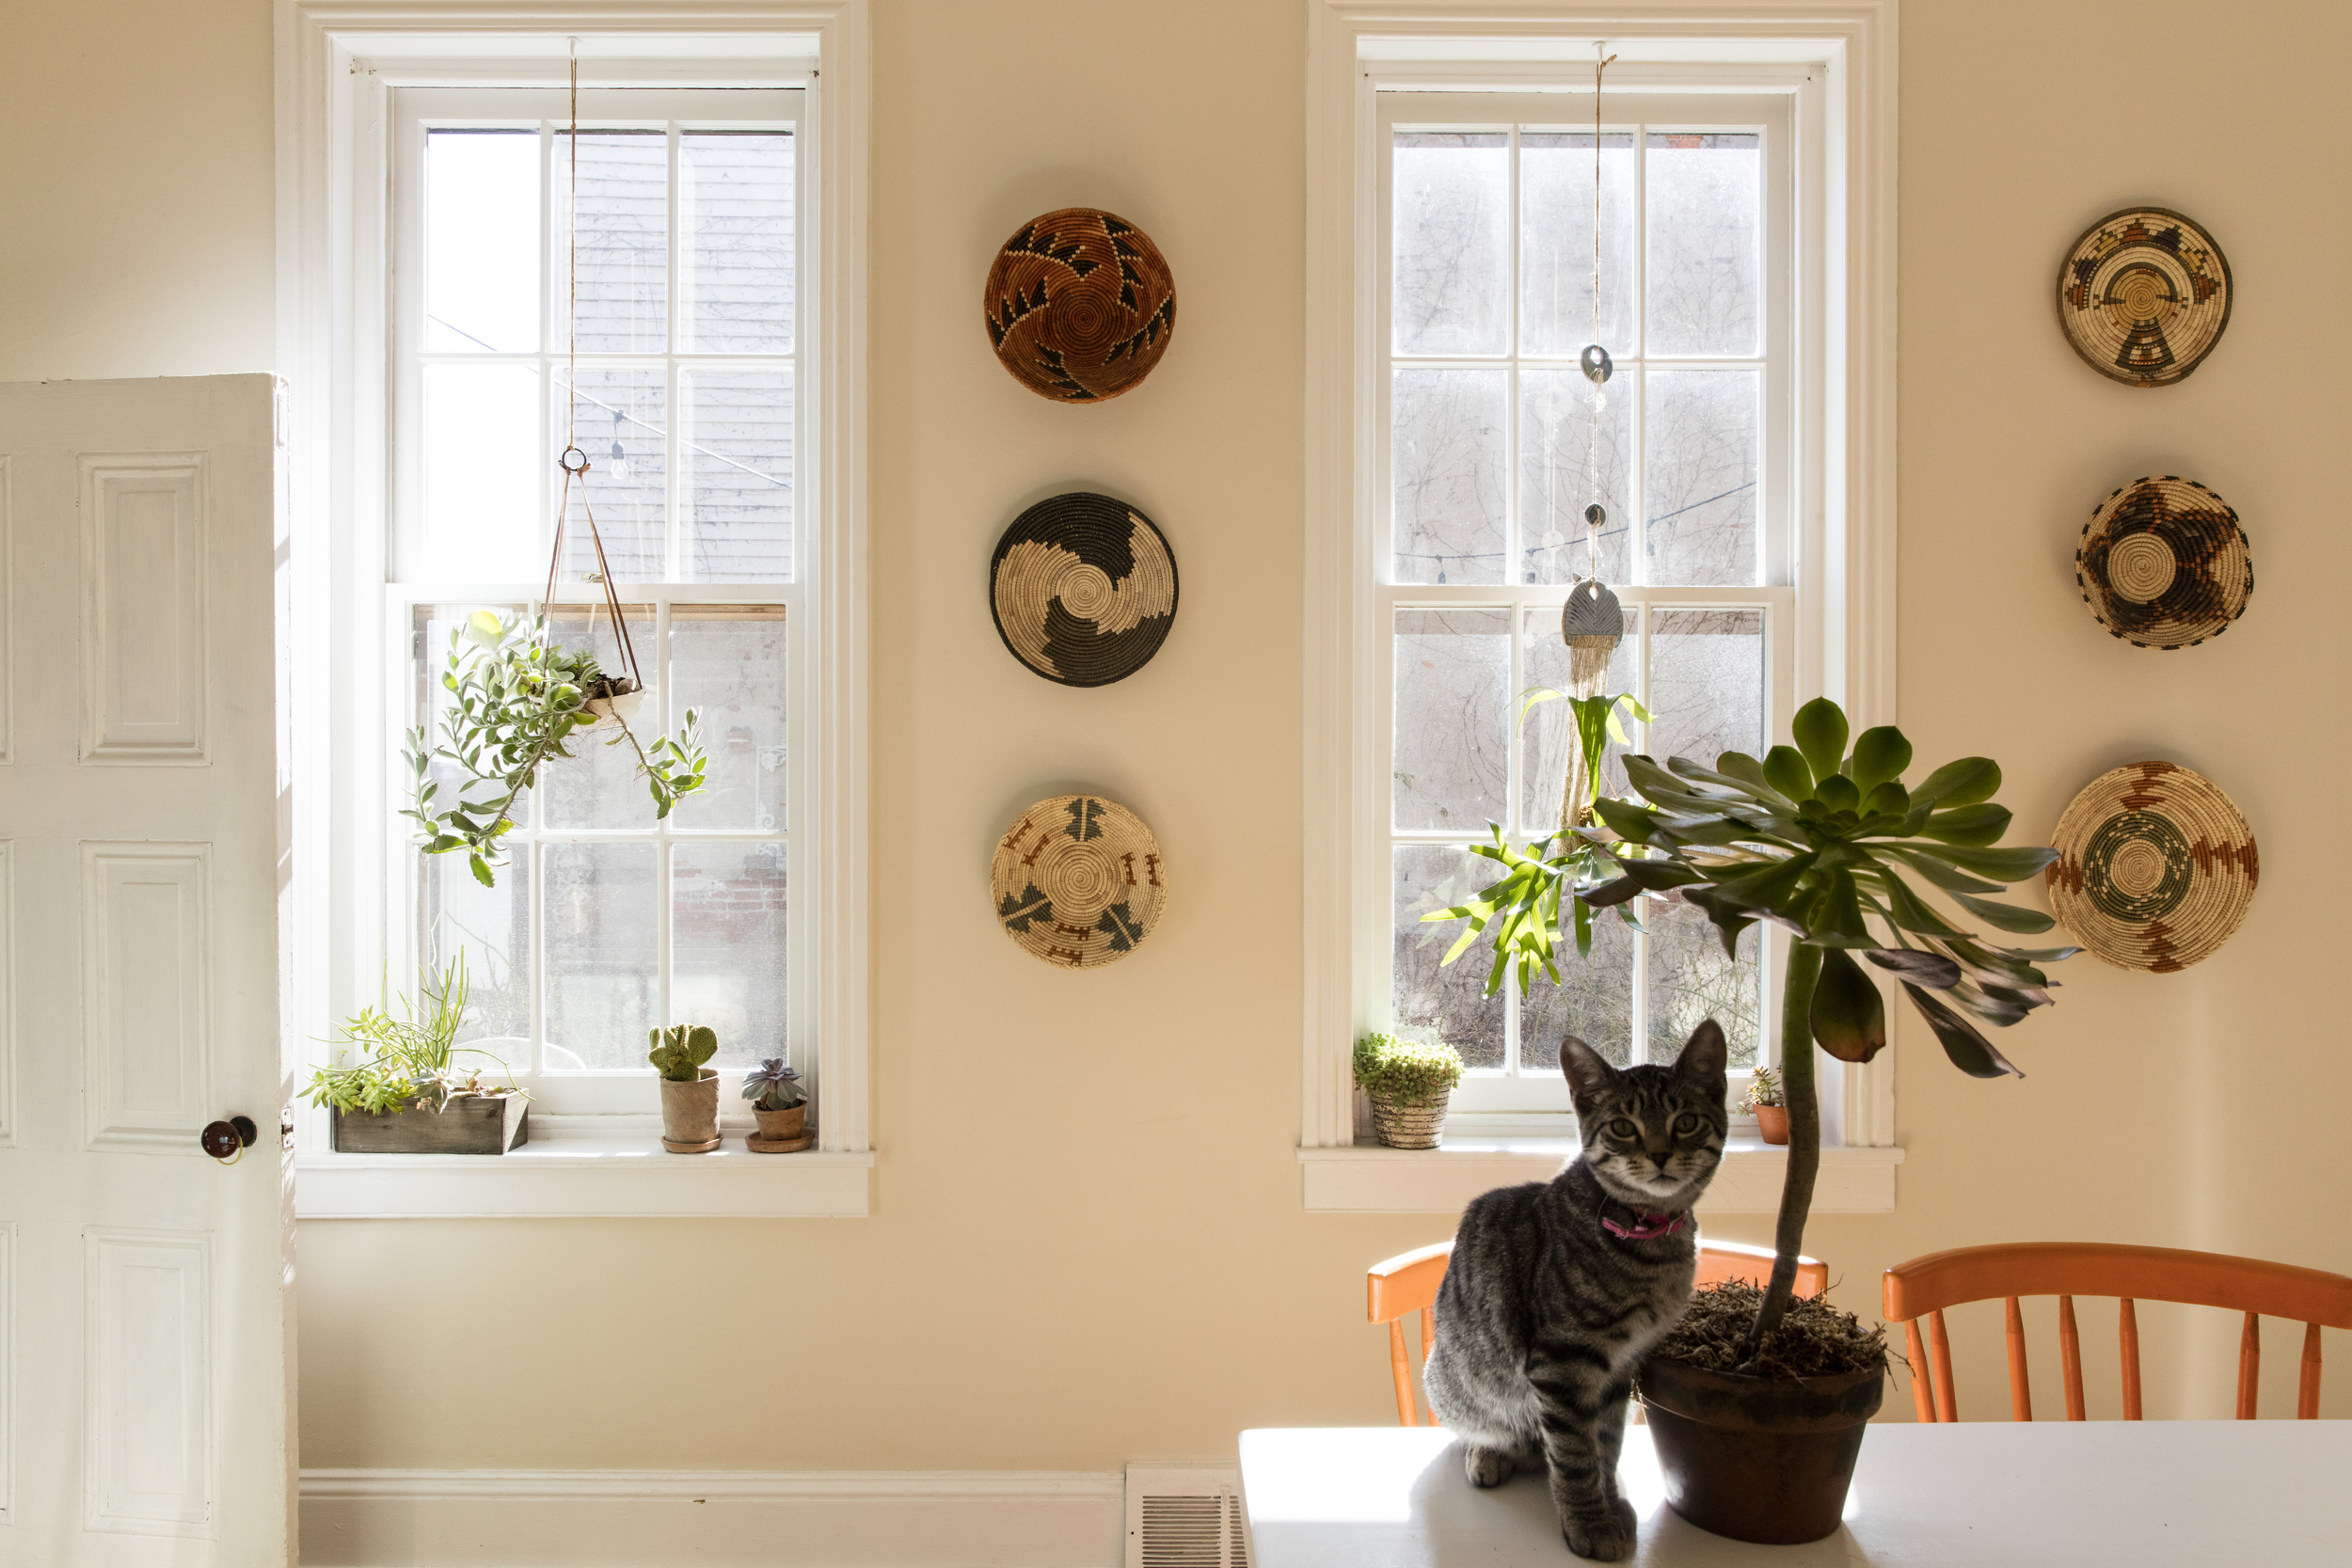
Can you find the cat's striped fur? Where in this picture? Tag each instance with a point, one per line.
(1546, 1313)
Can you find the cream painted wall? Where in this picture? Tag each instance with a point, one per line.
(1088, 1245)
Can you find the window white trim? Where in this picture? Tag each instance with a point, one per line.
(337, 62)
(1843, 52)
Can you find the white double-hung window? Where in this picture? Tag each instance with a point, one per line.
(635, 298)
(1496, 449)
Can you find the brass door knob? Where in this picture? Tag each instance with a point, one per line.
(225, 1141)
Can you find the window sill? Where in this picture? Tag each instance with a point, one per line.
(584, 1173)
(1369, 1179)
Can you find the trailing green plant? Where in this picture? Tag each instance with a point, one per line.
(772, 1087)
(408, 1060)
(678, 1051)
(516, 699)
(1821, 843)
(1765, 1089)
(1406, 1073)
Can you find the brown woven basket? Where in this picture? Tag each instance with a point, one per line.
(2164, 564)
(2155, 867)
(2143, 296)
(1080, 305)
(1079, 881)
(1403, 1126)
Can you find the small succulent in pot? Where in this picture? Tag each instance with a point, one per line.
(779, 1104)
(1409, 1083)
(679, 1053)
(690, 1091)
(1768, 1101)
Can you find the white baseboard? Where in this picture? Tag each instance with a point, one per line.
(653, 1519)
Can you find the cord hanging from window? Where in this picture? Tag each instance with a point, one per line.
(1592, 623)
(572, 460)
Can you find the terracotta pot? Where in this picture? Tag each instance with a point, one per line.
(1772, 1123)
(1401, 1126)
(690, 1113)
(776, 1126)
(1757, 1459)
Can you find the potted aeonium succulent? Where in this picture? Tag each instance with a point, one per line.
(779, 1104)
(1821, 843)
(516, 698)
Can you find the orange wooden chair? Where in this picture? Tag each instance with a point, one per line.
(1408, 1283)
(1925, 1286)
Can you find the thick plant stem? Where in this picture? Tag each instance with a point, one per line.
(1805, 1140)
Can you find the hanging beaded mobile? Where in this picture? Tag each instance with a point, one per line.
(1593, 623)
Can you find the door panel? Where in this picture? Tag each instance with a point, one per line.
(147, 1349)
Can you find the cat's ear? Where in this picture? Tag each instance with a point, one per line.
(1704, 1055)
(1587, 1074)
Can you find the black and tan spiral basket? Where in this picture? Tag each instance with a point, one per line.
(2155, 867)
(2144, 296)
(1080, 305)
(2164, 564)
(1083, 588)
(1079, 881)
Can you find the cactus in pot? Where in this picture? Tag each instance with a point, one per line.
(779, 1103)
(690, 1091)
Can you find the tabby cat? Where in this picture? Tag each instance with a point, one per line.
(1558, 1289)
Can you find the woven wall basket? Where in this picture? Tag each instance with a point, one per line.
(2155, 867)
(1078, 881)
(2164, 564)
(2143, 296)
(1080, 305)
(1083, 588)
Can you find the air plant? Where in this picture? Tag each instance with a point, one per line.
(515, 700)
(773, 1086)
(1819, 843)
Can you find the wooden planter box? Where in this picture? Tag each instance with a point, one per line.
(468, 1124)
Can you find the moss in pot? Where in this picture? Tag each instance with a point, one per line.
(1819, 844)
(1409, 1084)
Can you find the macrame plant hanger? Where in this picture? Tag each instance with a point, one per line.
(1593, 623)
(626, 679)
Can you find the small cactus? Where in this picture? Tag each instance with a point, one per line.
(679, 1053)
(770, 1086)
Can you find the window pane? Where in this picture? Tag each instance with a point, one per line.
(737, 451)
(1556, 244)
(1594, 1001)
(1701, 525)
(481, 242)
(1428, 1000)
(736, 217)
(597, 786)
(1707, 683)
(1706, 217)
(491, 927)
(623, 240)
(1548, 735)
(621, 421)
(431, 626)
(600, 938)
(483, 458)
(1446, 455)
(1452, 666)
(727, 663)
(1452, 289)
(1555, 466)
(727, 915)
(1691, 980)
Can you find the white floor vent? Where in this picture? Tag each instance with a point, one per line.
(1184, 1518)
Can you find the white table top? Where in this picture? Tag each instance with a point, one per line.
(2068, 1495)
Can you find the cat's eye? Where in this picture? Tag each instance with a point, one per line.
(1623, 1128)
(1685, 1125)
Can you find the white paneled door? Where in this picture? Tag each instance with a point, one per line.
(145, 1376)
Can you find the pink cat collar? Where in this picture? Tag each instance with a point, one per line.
(1645, 1225)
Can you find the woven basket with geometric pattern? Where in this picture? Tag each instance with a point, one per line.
(2155, 867)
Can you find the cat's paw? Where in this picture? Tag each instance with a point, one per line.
(1609, 1540)
(1487, 1466)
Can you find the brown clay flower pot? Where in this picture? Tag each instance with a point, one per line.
(779, 1126)
(1772, 1123)
(1401, 1126)
(690, 1113)
(1766, 1460)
